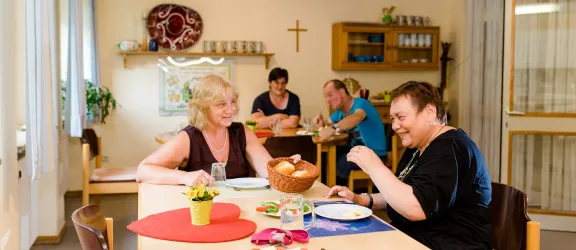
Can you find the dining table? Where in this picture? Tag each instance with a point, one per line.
(323, 146)
(153, 199)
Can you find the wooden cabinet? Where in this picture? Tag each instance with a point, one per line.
(374, 46)
(383, 109)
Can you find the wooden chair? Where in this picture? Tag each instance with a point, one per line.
(512, 227)
(95, 231)
(102, 180)
(393, 158)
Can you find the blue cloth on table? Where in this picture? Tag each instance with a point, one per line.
(326, 227)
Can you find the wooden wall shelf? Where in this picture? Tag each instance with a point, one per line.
(266, 56)
(375, 46)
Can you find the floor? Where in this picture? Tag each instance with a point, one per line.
(123, 208)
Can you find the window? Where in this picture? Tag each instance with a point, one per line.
(88, 39)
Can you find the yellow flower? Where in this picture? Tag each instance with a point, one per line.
(251, 122)
(201, 193)
(201, 189)
(191, 193)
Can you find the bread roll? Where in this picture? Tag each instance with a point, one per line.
(285, 167)
(300, 173)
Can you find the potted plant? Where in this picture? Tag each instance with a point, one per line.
(201, 197)
(252, 124)
(99, 101)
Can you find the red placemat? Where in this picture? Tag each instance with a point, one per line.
(262, 134)
(175, 225)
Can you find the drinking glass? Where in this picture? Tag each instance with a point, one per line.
(307, 123)
(219, 174)
(292, 212)
(276, 126)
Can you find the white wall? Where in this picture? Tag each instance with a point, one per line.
(9, 215)
(128, 134)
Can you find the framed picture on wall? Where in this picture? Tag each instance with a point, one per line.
(176, 83)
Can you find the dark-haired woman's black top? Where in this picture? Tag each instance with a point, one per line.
(264, 103)
(451, 182)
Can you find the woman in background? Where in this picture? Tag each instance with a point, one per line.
(277, 104)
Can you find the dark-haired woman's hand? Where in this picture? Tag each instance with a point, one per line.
(343, 192)
(296, 158)
(365, 158)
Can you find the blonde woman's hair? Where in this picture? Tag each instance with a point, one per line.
(209, 89)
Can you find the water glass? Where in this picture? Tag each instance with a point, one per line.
(292, 212)
(307, 123)
(219, 174)
(276, 126)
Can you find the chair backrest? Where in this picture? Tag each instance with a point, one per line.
(509, 217)
(89, 137)
(90, 225)
(286, 146)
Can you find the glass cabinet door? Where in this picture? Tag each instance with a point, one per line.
(414, 48)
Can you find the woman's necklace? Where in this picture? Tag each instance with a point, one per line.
(210, 144)
(408, 169)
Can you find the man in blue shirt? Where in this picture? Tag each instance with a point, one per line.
(358, 118)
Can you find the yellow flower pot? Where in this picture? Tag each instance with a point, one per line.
(200, 212)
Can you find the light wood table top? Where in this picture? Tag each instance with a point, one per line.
(154, 199)
(334, 140)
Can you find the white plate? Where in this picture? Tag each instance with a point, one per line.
(278, 213)
(248, 183)
(343, 212)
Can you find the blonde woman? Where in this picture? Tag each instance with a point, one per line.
(211, 137)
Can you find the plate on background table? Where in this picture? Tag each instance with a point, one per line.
(272, 208)
(307, 132)
(344, 212)
(248, 183)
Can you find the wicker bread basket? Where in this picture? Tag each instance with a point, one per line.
(292, 184)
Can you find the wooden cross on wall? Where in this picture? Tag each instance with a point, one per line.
(298, 30)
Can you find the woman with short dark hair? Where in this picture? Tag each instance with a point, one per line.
(278, 103)
(441, 190)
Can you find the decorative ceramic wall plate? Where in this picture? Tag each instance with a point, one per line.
(174, 27)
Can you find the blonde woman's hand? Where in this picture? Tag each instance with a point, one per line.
(343, 192)
(195, 178)
(365, 158)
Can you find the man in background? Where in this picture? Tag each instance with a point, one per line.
(356, 117)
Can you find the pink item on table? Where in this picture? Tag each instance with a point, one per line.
(264, 236)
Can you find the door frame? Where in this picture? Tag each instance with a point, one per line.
(518, 122)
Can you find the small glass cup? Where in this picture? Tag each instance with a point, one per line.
(292, 212)
(307, 123)
(218, 173)
(276, 126)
